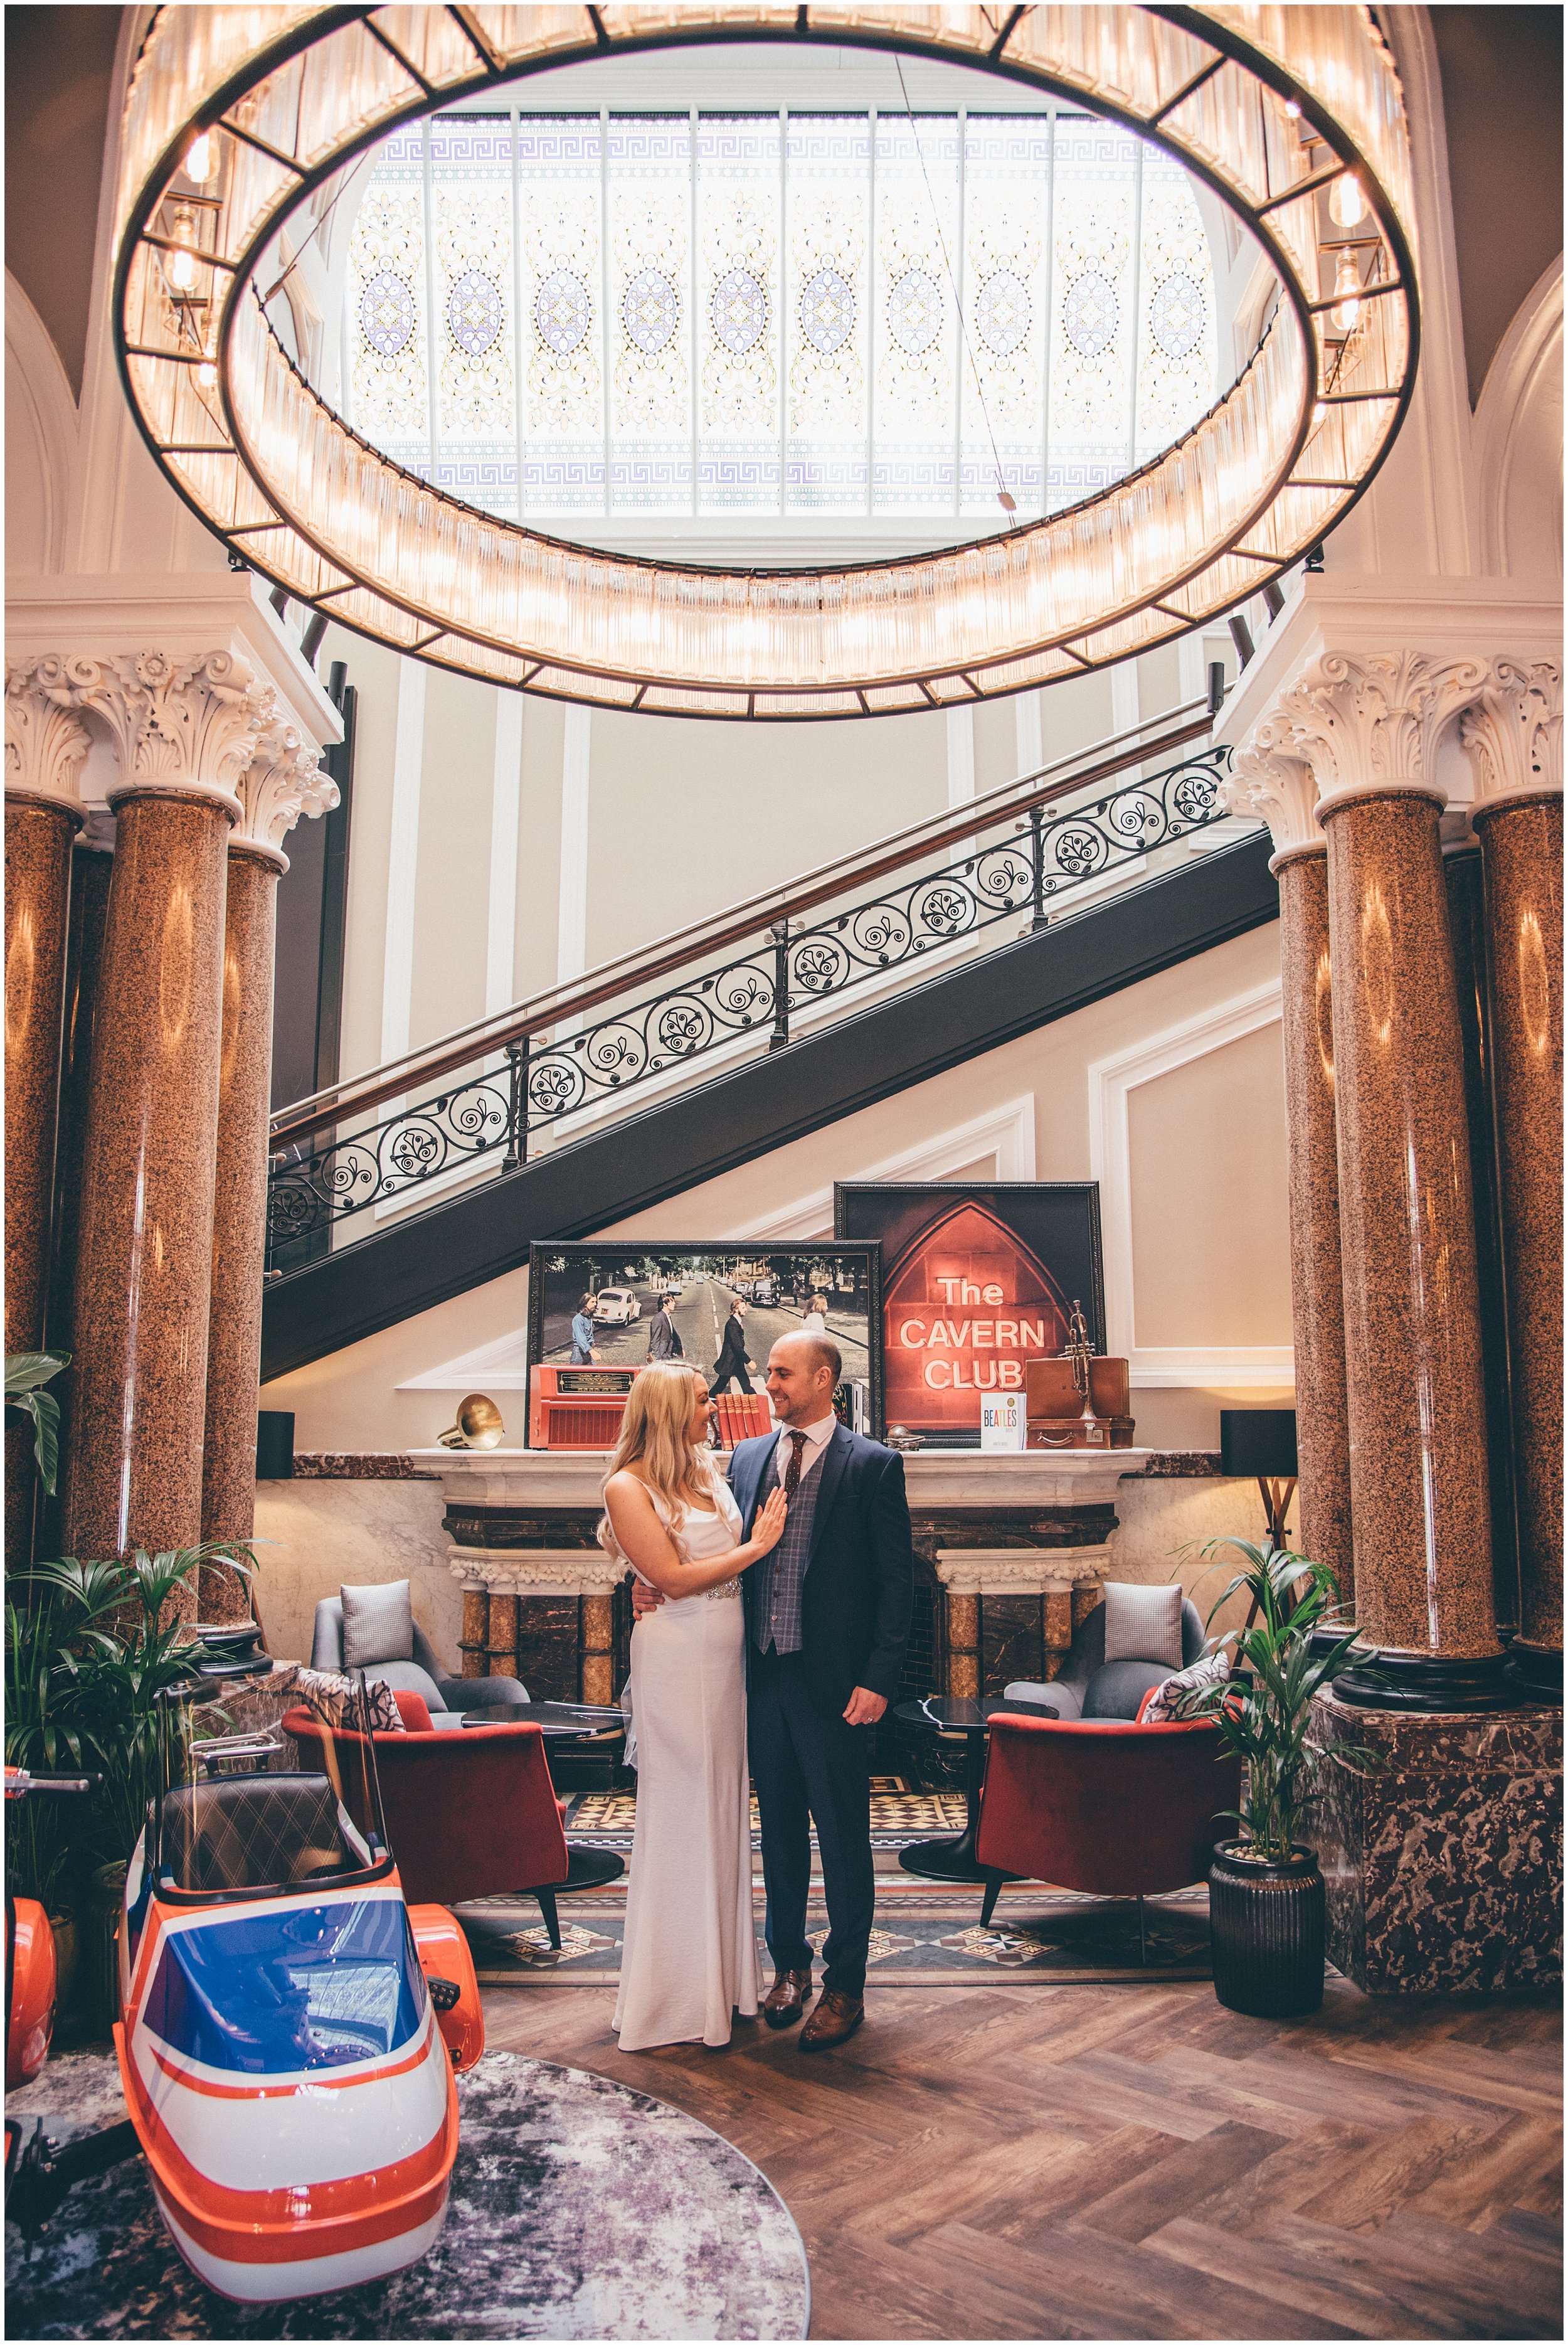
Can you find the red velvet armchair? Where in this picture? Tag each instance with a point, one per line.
(1111, 1809)
(468, 1814)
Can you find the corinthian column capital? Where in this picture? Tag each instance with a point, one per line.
(1273, 782)
(183, 726)
(46, 745)
(1513, 731)
(1369, 724)
(284, 780)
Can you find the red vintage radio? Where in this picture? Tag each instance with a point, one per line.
(577, 1408)
(580, 1408)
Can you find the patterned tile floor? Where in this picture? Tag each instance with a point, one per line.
(927, 1934)
(899, 1815)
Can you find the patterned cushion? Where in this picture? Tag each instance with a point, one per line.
(325, 1693)
(1184, 1695)
(1142, 1624)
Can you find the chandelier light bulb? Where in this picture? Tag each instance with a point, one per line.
(1346, 205)
(199, 158)
(1294, 108)
(1347, 292)
(182, 260)
(206, 375)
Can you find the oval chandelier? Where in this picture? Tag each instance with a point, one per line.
(1292, 116)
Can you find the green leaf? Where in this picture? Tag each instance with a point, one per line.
(45, 1412)
(26, 1370)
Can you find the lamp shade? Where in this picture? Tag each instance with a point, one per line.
(1257, 1441)
(275, 1445)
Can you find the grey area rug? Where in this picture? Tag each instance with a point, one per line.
(578, 2208)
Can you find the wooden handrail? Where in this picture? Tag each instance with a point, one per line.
(755, 917)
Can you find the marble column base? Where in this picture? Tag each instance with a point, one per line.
(1443, 1866)
(1537, 1669)
(1429, 1682)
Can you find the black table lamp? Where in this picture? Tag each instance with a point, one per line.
(1263, 1441)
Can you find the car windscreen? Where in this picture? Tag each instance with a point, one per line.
(273, 1991)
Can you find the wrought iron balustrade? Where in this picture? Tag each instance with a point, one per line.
(795, 967)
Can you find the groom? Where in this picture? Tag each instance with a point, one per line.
(827, 1618)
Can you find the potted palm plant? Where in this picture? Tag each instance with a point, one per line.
(1266, 1899)
(88, 1657)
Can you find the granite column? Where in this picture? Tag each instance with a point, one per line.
(1513, 731)
(1368, 727)
(92, 866)
(283, 780)
(45, 749)
(185, 730)
(1280, 788)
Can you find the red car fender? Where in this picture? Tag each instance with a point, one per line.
(444, 1953)
(31, 2020)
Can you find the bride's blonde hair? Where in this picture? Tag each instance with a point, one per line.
(655, 1438)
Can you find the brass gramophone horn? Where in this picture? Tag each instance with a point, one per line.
(478, 1425)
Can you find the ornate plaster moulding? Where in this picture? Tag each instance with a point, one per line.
(1273, 784)
(290, 93)
(284, 780)
(536, 1571)
(1513, 731)
(1359, 617)
(1020, 1570)
(47, 745)
(183, 616)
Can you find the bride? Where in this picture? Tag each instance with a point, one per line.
(689, 1958)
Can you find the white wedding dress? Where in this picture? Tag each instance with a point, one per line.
(689, 1956)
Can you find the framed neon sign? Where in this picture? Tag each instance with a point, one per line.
(976, 1278)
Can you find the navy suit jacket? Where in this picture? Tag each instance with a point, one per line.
(859, 1582)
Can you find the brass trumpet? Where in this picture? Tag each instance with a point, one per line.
(478, 1425)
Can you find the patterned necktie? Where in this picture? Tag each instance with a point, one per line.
(792, 1472)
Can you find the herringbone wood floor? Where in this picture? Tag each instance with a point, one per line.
(1046, 2162)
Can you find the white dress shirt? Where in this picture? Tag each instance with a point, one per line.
(817, 1437)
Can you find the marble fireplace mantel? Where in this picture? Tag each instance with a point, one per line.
(938, 1480)
(1011, 1548)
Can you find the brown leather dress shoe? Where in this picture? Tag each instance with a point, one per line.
(787, 1998)
(833, 2021)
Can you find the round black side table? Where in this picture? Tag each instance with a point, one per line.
(954, 1860)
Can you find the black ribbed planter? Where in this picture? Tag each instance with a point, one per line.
(1266, 1925)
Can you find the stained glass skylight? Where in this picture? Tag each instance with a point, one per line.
(576, 318)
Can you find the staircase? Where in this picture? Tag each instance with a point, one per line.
(423, 1179)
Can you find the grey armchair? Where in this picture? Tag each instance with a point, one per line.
(1090, 1687)
(423, 1675)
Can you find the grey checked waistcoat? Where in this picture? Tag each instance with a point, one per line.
(774, 1588)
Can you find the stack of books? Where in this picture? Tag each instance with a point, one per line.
(741, 1414)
